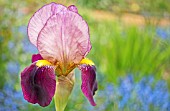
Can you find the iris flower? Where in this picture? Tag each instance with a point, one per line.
(61, 36)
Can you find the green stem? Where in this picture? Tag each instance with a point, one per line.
(64, 86)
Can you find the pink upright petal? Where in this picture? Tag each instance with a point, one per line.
(64, 38)
(36, 57)
(38, 84)
(39, 19)
(89, 83)
(73, 8)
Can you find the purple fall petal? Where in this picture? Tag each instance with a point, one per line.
(89, 83)
(73, 8)
(39, 19)
(36, 57)
(38, 84)
(64, 38)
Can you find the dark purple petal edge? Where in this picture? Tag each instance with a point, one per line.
(89, 83)
(38, 84)
(73, 8)
(36, 57)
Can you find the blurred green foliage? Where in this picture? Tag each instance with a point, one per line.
(128, 49)
(159, 7)
(6, 19)
(118, 49)
(147, 8)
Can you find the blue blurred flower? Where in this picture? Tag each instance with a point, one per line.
(28, 47)
(1, 96)
(147, 94)
(13, 67)
(164, 33)
(11, 45)
(23, 30)
(10, 99)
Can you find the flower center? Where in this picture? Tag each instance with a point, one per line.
(64, 69)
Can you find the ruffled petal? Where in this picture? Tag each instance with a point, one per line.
(89, 83)
(38, 84)
(64, 38)
(73, 8)
(39, 19)
(36, 57)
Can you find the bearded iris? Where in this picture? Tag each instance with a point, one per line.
(61, 36)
